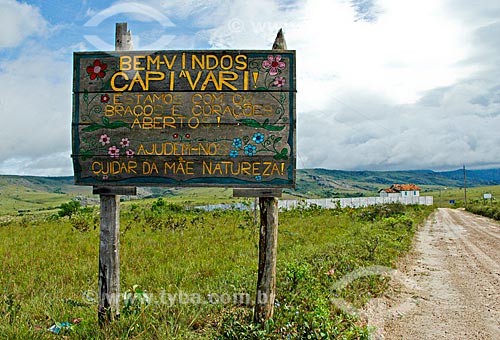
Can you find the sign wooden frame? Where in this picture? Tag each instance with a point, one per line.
(184, 118)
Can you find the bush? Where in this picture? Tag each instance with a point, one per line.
(84, 220)
(380, 211)
(488, 210)
(68, 209)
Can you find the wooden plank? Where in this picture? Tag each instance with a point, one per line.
(195, 108)
(114, 191)
(241, 171)
(256, 192)
(211, 70)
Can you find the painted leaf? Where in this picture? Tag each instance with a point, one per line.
(106, 86)
(277, 140)
(282, 98)
(105, 120)
(250, 122)
(261, 88)
(93, 127)
(86, 96)
(282, 155)
(116, 125)
(270, 127)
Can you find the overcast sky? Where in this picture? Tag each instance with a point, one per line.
(382, 84)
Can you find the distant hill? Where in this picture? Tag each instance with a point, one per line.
(18, 193)
(339, 183)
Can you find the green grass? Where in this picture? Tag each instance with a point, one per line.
(474, 195)
(188, 262)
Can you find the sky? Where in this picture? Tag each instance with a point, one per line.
(381, 84)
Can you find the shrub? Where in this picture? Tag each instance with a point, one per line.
(84, 220)
(68, 209)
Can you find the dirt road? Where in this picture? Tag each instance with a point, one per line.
(449, 286)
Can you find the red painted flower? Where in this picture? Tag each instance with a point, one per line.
(130, 153)
(97, 70)
(105, 98)
(273, 64)
(175, 135)
(188, 135)
(279, 81)
(114, 152)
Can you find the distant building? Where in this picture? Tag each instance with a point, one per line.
(400, 190)
(388, 192)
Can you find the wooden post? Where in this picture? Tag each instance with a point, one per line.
(268, 242)
(109, 258)
(109, 245)
(268, 248)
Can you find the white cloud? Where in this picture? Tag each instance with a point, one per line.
(416, 86)
(19, 21)
(35, 107)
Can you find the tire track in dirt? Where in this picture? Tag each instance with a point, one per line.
(449, 286)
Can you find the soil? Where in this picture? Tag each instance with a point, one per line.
(448, 287)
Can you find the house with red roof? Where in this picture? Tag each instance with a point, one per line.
(400, 190)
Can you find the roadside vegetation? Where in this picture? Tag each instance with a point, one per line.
(190, 274)
(485, 208)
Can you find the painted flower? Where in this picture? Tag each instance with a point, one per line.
(258, 138)
(237, 143)
(250, 149)
(97, 69)
(188, 135)
(273, 64)
(105, 177)
(104, 139)
(233, 153)
(105, 98)
(175, 135)
(130, 153)
(259, 178)
(114, 152)
(125, 143)
(279, 81)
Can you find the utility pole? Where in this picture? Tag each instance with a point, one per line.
(465, 189)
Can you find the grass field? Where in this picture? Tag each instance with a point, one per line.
(195, 268)
(474, 195)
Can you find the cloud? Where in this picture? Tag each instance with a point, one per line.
(35, 107)
(382, 84)
(19, 21)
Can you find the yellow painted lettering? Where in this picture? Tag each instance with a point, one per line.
(125, 63)
(113, 80)
(241, 62)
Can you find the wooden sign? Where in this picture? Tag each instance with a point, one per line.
(184, 118)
